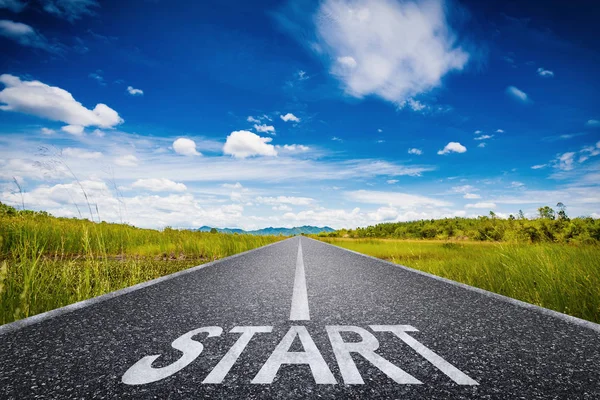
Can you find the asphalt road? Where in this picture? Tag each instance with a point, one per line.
(300, 319)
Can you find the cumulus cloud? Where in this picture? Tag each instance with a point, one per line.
(252, 119)
(26, 36)
(81, 153)
(47, 131)
(264, 128)
(471, 196)
(361, 36)
(481, 145)
(128, 160)
(243, 144)
(134, 92)
(159, 185)
(185, 147)
(76, 130)
(499, 131)
(452, 147)
(489, 206)
(415, 151)
(51, 102)
(517, 94)
(545, 73)
(392, 181)
(289, 117)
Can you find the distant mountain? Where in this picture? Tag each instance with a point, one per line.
(307, 229)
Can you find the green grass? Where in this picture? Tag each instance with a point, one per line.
(48, 262)
(560, 277)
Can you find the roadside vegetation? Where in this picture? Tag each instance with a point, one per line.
(48, 262)
(550, 227)
(560, 276)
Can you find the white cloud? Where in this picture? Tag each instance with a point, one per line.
(296, 201)
(135, 92)
(81, 153)
(478, 132)
(392, 181)
(185, 147)
(516, 184)
(362, 37)
(347, 61)
(415, 151)
(236, 185)
(471, 196)
(289, 117)
(76, 130)
(127, 161)
(47, 131)
(51, 102)
(545, 73)
(26, 36)
(593, 122)
(539, 166)
(565, 161)
(489, 206)
(293, 148)
(159, 185)
(517, 94)
(452, 147)
(463, 189)
(243, 144)
(482, 145)
(499, 131)
(252, 119)
(264, 128)
(484, 137)
(282, 207)
(413, 104)
(395, 199)
(336, 139)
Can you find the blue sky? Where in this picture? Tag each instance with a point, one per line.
(339, 112)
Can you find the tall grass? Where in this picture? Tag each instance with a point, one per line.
(561, 277)
(48, 262)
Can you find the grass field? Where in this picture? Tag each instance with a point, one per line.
(47, 262)
(560, 277)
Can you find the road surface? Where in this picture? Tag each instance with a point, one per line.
(300, 319)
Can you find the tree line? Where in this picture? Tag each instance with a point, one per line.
(549, 226)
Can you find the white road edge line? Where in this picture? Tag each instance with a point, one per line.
(532, 307)
(299, 311)
(22, 323)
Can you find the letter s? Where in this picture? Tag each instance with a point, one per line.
(142, 371)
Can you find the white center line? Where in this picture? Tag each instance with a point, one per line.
(299, 311)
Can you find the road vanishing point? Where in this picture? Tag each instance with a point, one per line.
(300, 319)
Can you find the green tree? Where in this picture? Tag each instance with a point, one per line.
(213, 230)
(546, 212)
